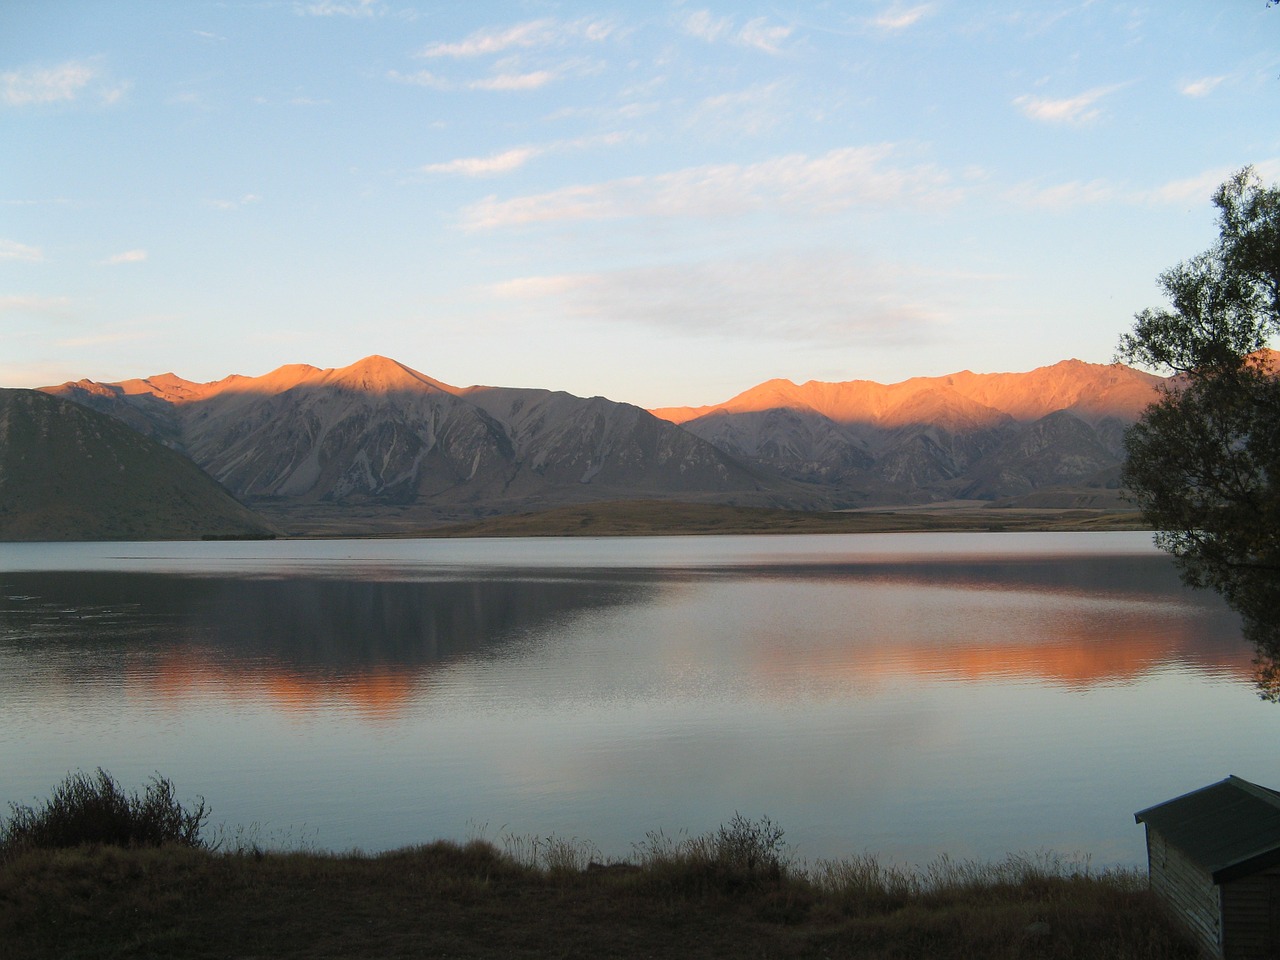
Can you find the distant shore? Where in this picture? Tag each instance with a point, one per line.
(653, 518)
(624, 518)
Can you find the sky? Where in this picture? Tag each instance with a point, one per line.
(663, 203)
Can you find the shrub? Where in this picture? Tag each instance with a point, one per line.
(88, 810)
(740, 854)
(752, 848)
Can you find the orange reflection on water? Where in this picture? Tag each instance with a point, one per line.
(378, 694)
(1084, 659)
(1087, 657)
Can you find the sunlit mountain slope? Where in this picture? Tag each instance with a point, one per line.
(969, 435)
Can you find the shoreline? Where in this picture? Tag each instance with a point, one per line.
(678, 518)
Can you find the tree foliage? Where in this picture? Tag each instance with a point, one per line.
(1204, 460)
(1224, 303)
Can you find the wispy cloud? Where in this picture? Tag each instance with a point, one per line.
(339, 8)
(753, 111)
(34, 375)
(244, 201)
(507, 161)
(12, 250)
(532, 80)
(534, 33)
(27, 303)
(815, 298)
(1202, 87)
(758, 33)
(514, 81)
(513, 72)
(825, 183)
(1063, 196)
(46, 85)
(421, 78)
(489, 166)
(762, 35)
(99, 339)
(1200, 188)
(57, 201)
(900, 18)
(64, 83)
(1075, 111)
(535, 288)
(705, 26)
(128, 256)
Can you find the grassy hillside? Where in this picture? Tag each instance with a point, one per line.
(70, 473)
(640, 517)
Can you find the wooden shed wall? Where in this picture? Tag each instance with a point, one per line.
(1250, 916)
(1188, 891)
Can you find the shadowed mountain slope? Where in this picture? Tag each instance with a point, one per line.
(68, 473)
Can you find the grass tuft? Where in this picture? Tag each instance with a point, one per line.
(550, 854)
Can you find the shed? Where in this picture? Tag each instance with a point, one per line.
(1213, 856)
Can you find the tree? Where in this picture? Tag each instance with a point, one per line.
(1203, 462)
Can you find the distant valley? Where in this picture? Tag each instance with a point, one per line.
(378, 447)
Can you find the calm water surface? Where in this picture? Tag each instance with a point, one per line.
(905, 694)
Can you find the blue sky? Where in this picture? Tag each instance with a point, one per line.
(661, 203)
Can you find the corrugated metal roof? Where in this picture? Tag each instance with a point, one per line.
(1229, 829)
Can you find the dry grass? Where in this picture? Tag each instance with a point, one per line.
(721, 895)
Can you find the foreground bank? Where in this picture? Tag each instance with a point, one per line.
(98, 871)
(545, 900)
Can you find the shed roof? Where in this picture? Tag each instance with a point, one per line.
(1230, 828)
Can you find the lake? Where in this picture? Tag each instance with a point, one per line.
(902, 694)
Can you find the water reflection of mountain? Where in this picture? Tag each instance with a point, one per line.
(345, 624)
(377, 644)
(320, 626)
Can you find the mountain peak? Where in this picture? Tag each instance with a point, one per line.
(379, 374)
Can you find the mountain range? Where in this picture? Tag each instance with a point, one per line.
(966, 435)
(377, 445)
